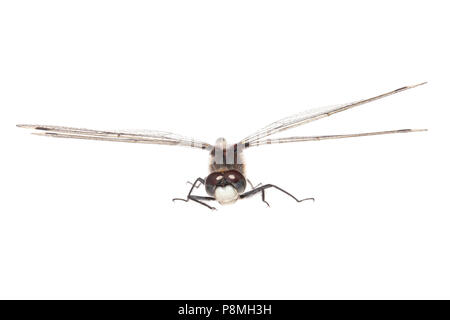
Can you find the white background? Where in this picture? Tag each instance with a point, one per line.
(86, 219)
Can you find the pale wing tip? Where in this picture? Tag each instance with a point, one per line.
(42, 134)
(26, 126)
(419, 84)
(413, 130)
(30, 126)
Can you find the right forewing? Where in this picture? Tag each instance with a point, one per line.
(131, 136)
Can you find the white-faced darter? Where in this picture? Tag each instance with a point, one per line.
(226, 182)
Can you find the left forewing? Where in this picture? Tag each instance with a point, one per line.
(311, 115)
(328, 137)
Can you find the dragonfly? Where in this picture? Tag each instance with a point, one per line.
(226, 182)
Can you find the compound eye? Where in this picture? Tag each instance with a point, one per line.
(212, 181)
(234, 176)
(237, 180)
(214, 178)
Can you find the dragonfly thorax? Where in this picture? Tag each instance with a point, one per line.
(225, 157)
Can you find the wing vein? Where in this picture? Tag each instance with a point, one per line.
(312, 115)
(145, 136)
(328, 137)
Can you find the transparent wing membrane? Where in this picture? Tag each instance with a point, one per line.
(301, 118)
(255, 139)
(328, 137)
(130, 136)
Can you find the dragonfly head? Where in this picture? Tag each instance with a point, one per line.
(225, 186)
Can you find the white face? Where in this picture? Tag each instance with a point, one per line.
(226, 195)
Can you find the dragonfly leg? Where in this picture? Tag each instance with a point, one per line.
(262, 191)
(198, 198)
(266, 186)
(192, 188)
(263, 196)
(194, 197)
(198, 185)
(251, 184)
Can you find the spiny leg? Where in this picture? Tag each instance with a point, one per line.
(192, 188)
(263, 195)
(264, 187)
(194, 197)
(198, 198)
(251, 184)
(190, 191)
(196, 185)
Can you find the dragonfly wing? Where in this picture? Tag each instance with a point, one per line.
(131, 136)
(328, 137)
(312, 115)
